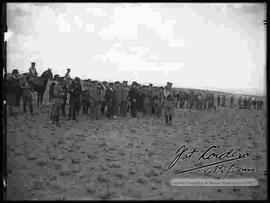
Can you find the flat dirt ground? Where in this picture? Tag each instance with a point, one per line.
(129, 158)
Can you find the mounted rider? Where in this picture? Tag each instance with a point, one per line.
(32, 70)
(67, 75)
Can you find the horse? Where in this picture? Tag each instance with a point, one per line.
(39, 83)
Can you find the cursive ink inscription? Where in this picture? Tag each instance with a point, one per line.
(222, 169)
(183, 153)
(180, 152)
(226, 155)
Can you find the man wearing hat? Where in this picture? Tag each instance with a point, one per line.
(75, 93)
(27, 96)
(169, 103)
(124, 103)
(13, 88)
(94, 101)
(32, 69)
(58, 94)
(109, 100)
(67, 75)
(134, 98)
(118, 98)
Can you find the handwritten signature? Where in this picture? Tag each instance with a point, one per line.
(184, 153)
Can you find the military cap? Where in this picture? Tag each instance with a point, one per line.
(56, 76)
(150, 84)
(68, 68)
(169, 83)
(77, 78)
(134, 83)
(15, 71)
(33, 63)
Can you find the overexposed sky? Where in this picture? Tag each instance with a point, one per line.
(197, 45)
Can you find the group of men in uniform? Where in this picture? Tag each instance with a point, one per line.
(24, 90)
(250, 103)
(111, 100)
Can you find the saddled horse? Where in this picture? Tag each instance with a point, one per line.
(39, 83)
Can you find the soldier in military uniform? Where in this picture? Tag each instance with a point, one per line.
(218, 100)
(75, 93)
(134, 98)
(168, 103)
(240, 102)
(223, 100)
(109, 100)
(27, 92)
(32, 69)
(67, 75)
(124, 103)
(58, 94)
(94, 101)
(231, 101)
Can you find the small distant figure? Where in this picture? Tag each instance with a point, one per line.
(223, 101)
(67, 75)
(32, 69)
(168, 103)
(231, 101)
(218, 100)
(249, 103)
(245, 102)
(259, 104)
(75, 93)
(240, 102)
(27, 97)
(58, 96)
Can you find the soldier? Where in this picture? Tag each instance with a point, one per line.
(124, 103)
(102, 88)
(134, 98)
(218, 100)
(160, 101)
(32, 69)
(13, 88)
(58, 94)
(245, 103)
(67, 75)
(223, 101)
(118, 99)
(231, 101)
(27, 92)
(240, 100)
(51, 88)
(147, 100)
(109, 100)
(75, 93)
(94, 100)
(249, 103)
(168, 103)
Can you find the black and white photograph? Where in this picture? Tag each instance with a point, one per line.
(135, 101)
